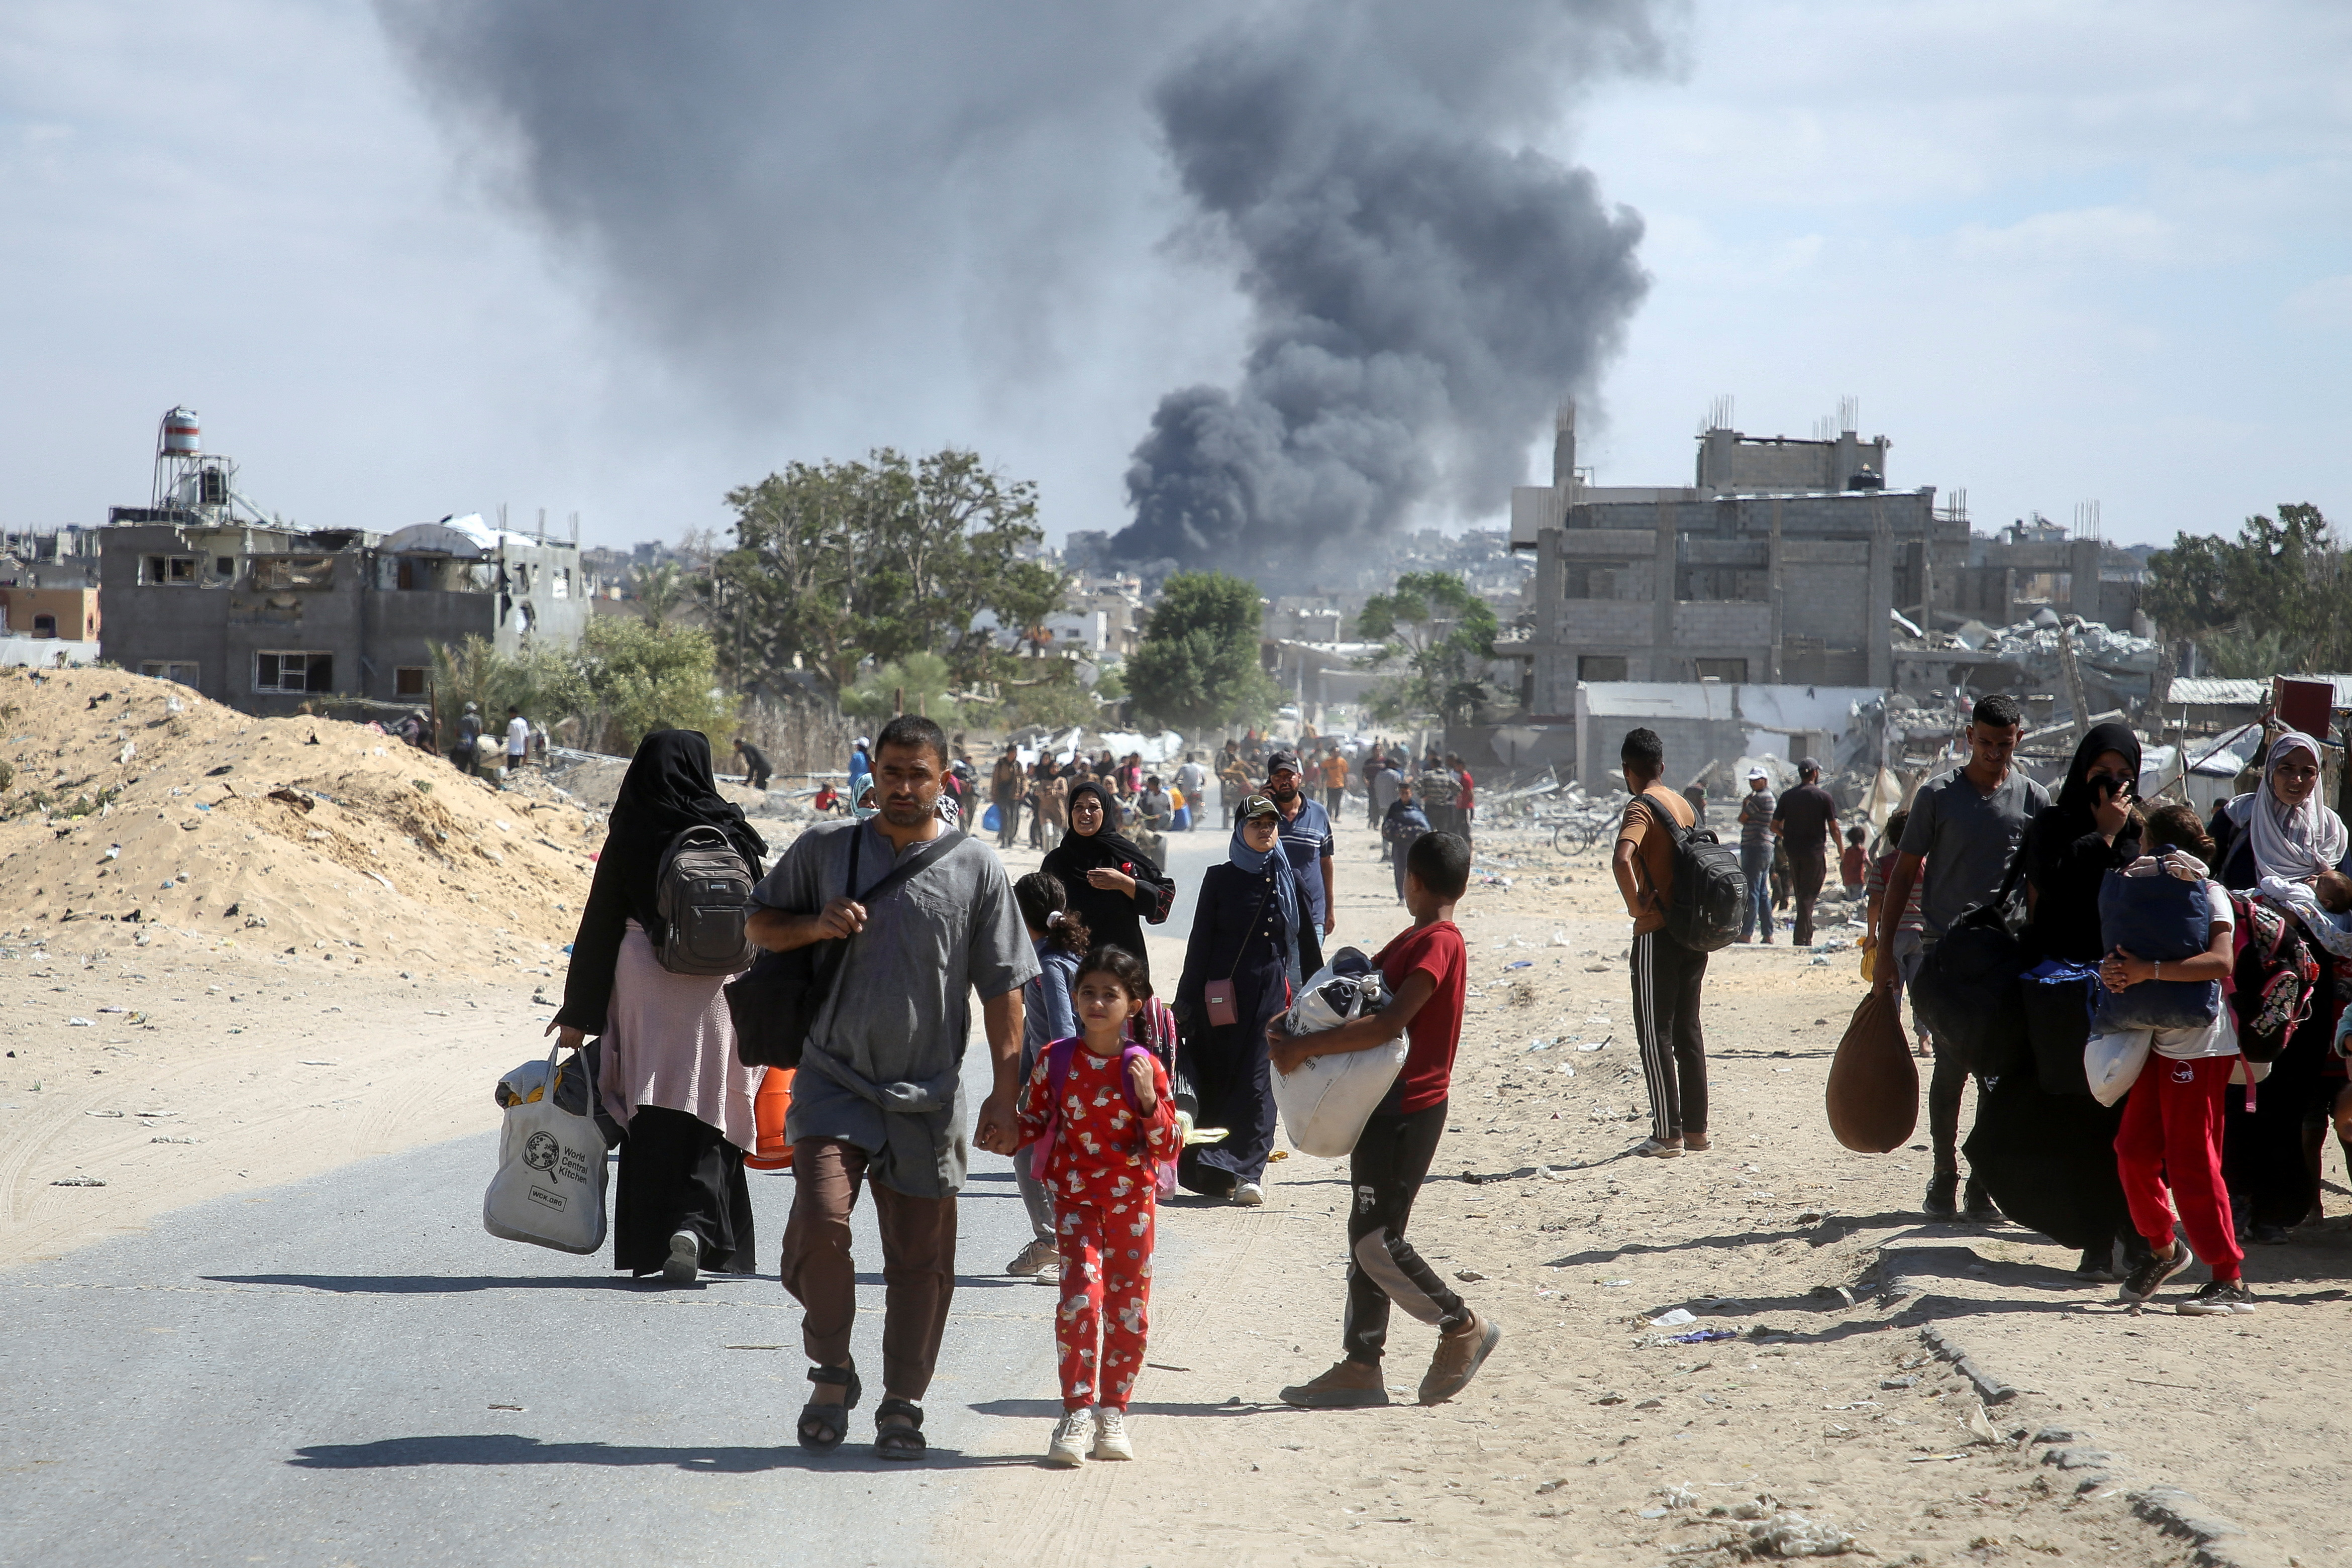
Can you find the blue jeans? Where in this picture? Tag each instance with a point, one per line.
(1756, 865)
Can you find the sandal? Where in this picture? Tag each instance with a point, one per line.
(905, 1442)
(825, 1423)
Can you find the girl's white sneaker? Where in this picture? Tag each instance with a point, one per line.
(1069, 1444)
(1111, 1441)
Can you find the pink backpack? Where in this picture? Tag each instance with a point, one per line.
(1058, 1056)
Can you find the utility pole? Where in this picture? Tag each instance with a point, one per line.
(2073, 684)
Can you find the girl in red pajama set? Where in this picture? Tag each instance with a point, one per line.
(2172, 1131)
(1101, 1104)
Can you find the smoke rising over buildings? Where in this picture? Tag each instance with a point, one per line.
(927, 192)
(1423, 291)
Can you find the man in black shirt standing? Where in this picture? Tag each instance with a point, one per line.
(1806, 821)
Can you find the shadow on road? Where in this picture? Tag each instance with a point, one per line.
(495, 1448)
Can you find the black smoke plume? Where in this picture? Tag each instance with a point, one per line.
(1425, 290)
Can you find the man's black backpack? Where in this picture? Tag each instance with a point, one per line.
(1967, 991)
(702, 891)
(1709, 891)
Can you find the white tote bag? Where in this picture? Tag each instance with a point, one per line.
(1326, 1103)
(550, 1187)
(2112, 1061)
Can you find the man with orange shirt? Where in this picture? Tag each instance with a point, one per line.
(1666, 974)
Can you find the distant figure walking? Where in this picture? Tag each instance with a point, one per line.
(755, 764)
(1806, 823)
(667, 1071)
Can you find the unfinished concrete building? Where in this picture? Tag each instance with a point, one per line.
(1786, 562)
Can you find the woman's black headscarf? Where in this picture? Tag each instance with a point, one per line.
(2066, 857)
(2075, 797)
(669, 788)
(1078, 853)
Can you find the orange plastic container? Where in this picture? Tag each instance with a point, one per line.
(770, 1105)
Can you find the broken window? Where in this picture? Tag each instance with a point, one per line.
(292, 672)
(45, 626)
(169, 571)
(1601, 667)
(408, 680)
(284, 572)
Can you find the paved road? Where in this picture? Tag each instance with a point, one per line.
(314, 1373)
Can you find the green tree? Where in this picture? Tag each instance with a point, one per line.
(658, 590)
(2272, 599)
(921, 680)
(641, 677)
(839, 563)
(1443, 632)
(1198, 666)
(547, 683)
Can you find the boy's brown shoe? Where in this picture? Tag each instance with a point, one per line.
(1347, 1386)
(1460, 1354)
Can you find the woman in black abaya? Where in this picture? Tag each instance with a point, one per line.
(2049, 1157)
(667, 1072)
(1112, 885)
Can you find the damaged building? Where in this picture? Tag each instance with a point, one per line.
(1787, 561)
(203, 588)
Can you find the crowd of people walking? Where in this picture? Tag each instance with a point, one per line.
(2133, 1133)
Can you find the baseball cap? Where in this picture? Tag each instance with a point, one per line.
(1280, 760)
(1259, 806)
(1759, 773)
(1807, 765)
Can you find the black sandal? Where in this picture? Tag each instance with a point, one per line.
(823, 1424)
(905, 1442)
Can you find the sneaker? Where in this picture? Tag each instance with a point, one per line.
(2097, 1265)
(1942, 1201)
(1111, 1441)
(1347, 1386)
(2270, 1235)
(1047, 1275)
(1976, 1206)
(1459, 1355)
(2152, 1271)
(685, 1260)
(1070, 1438)
(2219, 1300)
(1034, 1257)
(1248, 1195)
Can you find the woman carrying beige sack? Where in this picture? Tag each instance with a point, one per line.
(668, 1072)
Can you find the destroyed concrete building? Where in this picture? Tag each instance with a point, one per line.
(1787, 561)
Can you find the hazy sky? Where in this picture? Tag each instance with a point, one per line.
(2058, 252)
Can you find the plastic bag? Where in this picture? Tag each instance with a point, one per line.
(1873, 1096)
(1325, 1103)
(549, 1185)
(2112, 1061)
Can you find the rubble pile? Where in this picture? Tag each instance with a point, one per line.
(135, 810)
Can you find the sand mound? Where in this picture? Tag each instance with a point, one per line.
(141, 810)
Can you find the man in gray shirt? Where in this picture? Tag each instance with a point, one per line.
(1965, 827)
(879, 1090)
(1755, 809)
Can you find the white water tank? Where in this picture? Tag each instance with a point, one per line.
(181, 436)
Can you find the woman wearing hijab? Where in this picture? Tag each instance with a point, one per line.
(1245, 932)
(2049, 1157)
(2281, 840)
(1113, 887)
(668, 1073)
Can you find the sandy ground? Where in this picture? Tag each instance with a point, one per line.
(1586, 1439)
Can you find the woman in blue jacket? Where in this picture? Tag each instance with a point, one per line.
(1245, 930)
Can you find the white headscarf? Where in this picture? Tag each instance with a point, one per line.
(2292, 842)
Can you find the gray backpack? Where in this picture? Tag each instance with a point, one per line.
(703, 894)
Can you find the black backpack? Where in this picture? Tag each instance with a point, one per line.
(1710, 893)
(702, 891)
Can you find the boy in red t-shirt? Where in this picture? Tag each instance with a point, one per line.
(1427, 970)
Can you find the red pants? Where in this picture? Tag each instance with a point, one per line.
(1106, 1258)
(2172, 1132)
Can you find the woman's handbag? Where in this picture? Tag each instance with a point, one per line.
(549, 1185)
(1217, 996)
